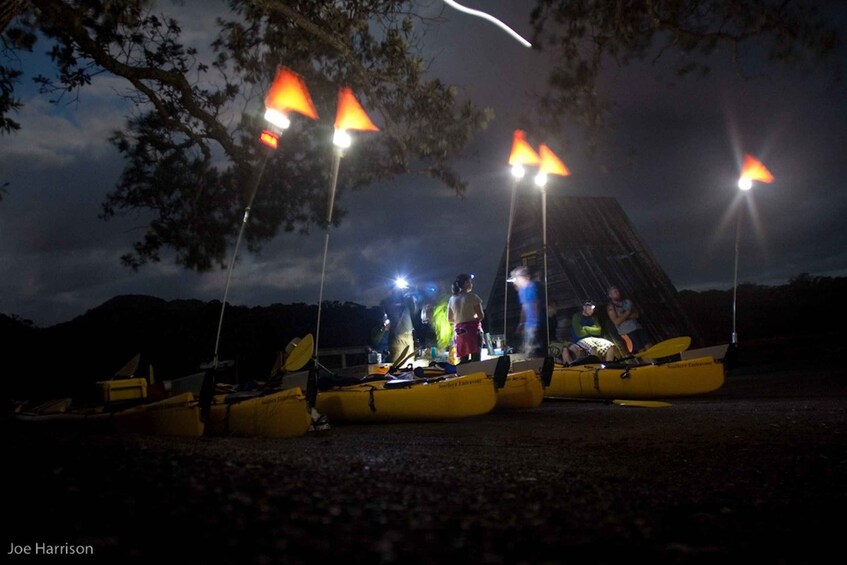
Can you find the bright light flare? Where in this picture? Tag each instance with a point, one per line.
(491, 19)
(401, 283)
(342, 139)
(745, 183)
(541, 180)
(518, 171)
(277, 118)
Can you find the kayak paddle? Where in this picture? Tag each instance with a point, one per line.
(642, 403)
(665, 348)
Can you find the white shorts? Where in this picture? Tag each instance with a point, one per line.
(595, 345)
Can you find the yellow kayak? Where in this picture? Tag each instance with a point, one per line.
(522, 390)
(278, 414)
(175, 416)
(447, 397)
(598, 380)
(523, 386)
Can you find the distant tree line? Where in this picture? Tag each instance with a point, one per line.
(176, 337)
(803, 307)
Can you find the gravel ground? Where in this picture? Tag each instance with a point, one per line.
(756, 470)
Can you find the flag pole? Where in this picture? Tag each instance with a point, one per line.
(349, 116)
(508, 243)
(244, 220)
(544, 249)
(522, 154)
(336, 162)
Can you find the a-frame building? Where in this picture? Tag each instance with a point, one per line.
(591, 245)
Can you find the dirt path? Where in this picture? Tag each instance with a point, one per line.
(757, 470)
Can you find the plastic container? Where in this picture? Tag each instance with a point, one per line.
(123, 389)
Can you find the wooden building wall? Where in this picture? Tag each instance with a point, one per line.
(591, 246)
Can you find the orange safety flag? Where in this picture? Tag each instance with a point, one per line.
(753, 169)
(350, 114)
(522, 152)
(288, 92)
(550, 164)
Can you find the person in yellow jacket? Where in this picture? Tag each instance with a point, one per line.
(587, 335)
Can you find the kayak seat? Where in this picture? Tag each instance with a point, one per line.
(587, 360)
(328, 382)
(547, 371)
(404, 383)
(501, 371)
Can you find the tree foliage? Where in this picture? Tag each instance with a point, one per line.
(589, 37)
(190, 142)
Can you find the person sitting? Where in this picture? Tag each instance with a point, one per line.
(587, 332)
(560, 332)
(624, 314)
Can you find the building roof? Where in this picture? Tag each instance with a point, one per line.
(591, 245)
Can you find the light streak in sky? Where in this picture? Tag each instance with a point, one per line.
(490, 18)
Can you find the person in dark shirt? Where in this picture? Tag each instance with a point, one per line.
(624, 314)
(399, 307)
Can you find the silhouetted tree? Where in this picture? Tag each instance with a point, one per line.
(189, 143)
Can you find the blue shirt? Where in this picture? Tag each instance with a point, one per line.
(529, 302)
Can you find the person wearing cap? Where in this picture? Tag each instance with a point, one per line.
(623, 313)
(399, 307)
(587, 334)
(464, 311)
(530, 321)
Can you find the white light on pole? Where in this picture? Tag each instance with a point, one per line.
(349, 116)
(550, 165)
(522, 154)
(287, 93)
(752, 170)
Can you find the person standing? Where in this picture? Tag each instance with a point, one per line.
(531, 312)
(465, 312)
(624, 314)
(398, 307)
(587, 333)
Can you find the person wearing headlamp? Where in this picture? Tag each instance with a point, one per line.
(465, 312)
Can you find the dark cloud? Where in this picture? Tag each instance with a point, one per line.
(671, 158)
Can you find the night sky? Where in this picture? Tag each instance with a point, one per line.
(672, 159)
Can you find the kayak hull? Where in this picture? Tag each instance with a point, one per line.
(281, 414)
(174, 416)
(522, 390)
(449, 398)
(682, 378)
(178, 415)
